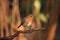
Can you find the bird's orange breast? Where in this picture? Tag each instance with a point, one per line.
(30, 19)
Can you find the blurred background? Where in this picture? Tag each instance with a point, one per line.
(45, 12)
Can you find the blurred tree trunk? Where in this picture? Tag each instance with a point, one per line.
(16, 20)
(52, 25)
(4, 8)
(47, 8)
(36, 11)
(1, 23)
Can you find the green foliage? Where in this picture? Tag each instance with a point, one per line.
(43, 18)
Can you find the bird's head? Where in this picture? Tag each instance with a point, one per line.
(30, 19)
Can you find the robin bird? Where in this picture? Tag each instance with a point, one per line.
(26, 23)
